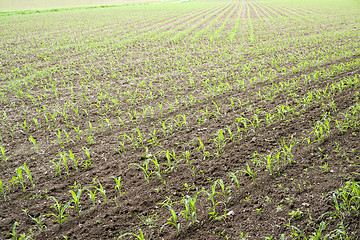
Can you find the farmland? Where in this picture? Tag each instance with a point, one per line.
(181, 120)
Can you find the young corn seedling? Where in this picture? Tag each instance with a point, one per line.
(87, 162)
(255, 123)
(201, 149)
(272, 163)
(250, 172)
(3, 189)
(157, 167)
(169, 157)
(145, 168)
(286, 150)
(38, 220)
(173, 220)
(232, 137)
(12, 130)
(13, 232)
(75, 161)
(78, 132)
(33, 141)
(118, 186)
(219, 141)
(139, 139)
(233, 177)
(102, 191)
(57, 166)
(139, 237)
(92, 196)
(206, 113)
(225, 191)
(25, 127)
(217, 112)
(18, 178)
(211, 196)
(245, 126)
(154, 140)
(322, 129)
(190, 209)
(76, 200)
(179, 123)
(3, 155)
(28, 173)
(61, 215)
(64, 162)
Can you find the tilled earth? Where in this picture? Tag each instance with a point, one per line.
(95, 88)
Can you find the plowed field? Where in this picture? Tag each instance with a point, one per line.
(181, 120)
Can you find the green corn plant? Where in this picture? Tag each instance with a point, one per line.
(219, 141)
(57, 166)
(108, 123)
(250, 172)
(90, 140)
(232, 137)
(91, 128)
(61, 214)
(233, 177)
(164, 127)
(76, 199)
(28, 173)
(244, 127)
(12, 130)
(232, 105)
(3, 155)
(58, 135)
(206, 113)
(122, 144)
(322, 129)
(189, 213)
(171, 165)
(211, 196)
(173, 220)
(53, 117)
(19, 178)
(139, 139)
(286, 150)
(133, 140)
(75, 161)
(33, 141)
(38, 220)
(255, 123)
(67, 136)
(3, 189)
(64, 162)
(118, 186)
(272, 163)
(78, 132)
(13, 232)
(225, 191)
(139, 237)
(25, 126)
(145, 168)
(154, 140)
(201, 149)
(217, 113)
(102, 191)
(87, 162)
(179, 123)
(316, 235)
(92, 196)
